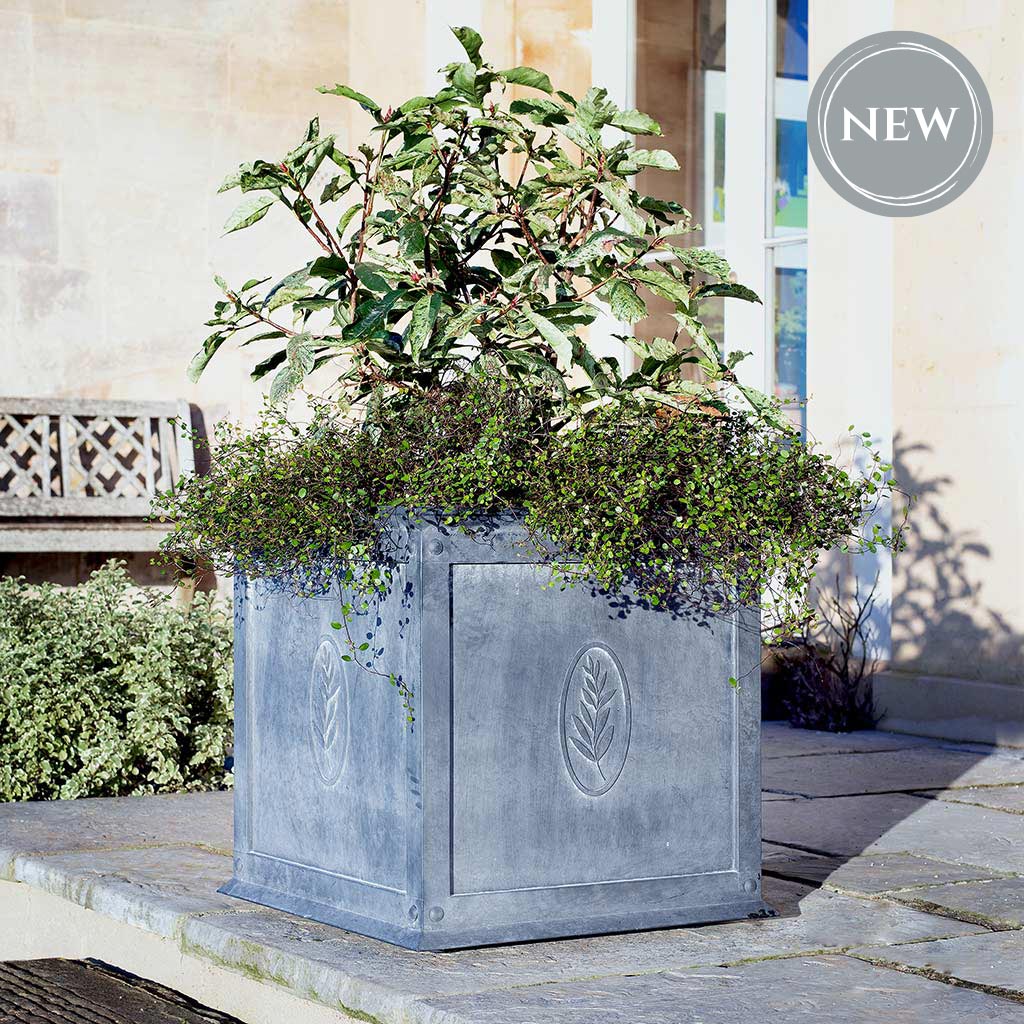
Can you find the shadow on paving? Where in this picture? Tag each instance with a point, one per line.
(872, 813)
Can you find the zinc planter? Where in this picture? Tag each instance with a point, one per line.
(578, 764)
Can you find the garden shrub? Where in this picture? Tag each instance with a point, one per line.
(439, 329)
(110, 690)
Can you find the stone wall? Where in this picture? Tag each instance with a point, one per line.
(914, 333)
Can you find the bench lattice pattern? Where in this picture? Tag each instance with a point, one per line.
(60, 458)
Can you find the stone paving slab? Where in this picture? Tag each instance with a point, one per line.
(887, 772)
(202, 819)
(151, 888)
(868, 874)
(996, 904)
(992, 959)
(897, 823)
(154, 864)
(779, 739)
(797, 991)
(1001, 798)
(375, 978)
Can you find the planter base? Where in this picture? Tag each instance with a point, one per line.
(411, 938)
(579, 762)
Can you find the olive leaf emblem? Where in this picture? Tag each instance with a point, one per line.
(327, 712)
(595, 733)
(595, 719)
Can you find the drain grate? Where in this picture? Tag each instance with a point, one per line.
(90, 992)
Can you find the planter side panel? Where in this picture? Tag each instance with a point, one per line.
(594, 766)
(321, 801)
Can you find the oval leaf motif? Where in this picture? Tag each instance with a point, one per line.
(328, 712)
(595, 719)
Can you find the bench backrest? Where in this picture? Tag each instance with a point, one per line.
(83, 458)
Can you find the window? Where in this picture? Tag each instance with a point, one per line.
(787, 238)
(680, 81)
(728, 80)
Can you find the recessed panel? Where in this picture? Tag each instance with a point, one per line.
(328, 739)
(592, 741)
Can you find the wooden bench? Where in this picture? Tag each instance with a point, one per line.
(79, 475)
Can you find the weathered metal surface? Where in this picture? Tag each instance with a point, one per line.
(579, 762)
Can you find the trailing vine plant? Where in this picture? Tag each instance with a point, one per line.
(461, 254)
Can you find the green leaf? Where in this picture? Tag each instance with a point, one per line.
(587, 139)
(328, 267)
(233, 180)
(301, 354)
(660, 158)
(529, 77)
(285, 296)
(264, 366)
(411, 239)
(729, 290)
(471, 43)
(286, 381)
(625, 304)
(424, 313)
(336, 187)
(704, 261)
(595, 109)
(661, 283)
(204, 355)
(619, 197)
(636, 123)
(711, 360)
(423, 170)
(249, 211)
(599, 244)
(504, 262)
(415, 103)
(535, 364)
(346, 218)
(558, 341)
(765, 406)
(372, 320)
(371, 106)
(458, 326)
(542, 112)
(371, 278)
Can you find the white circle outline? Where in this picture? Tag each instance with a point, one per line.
(919, 198)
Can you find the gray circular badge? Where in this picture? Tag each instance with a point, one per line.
(899, 123)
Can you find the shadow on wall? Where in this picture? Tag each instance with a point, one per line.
(940, 623)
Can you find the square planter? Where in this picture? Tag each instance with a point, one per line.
(578, 764)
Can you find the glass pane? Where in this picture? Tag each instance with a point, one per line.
(790, 287)
(789, 207)
(680, 81)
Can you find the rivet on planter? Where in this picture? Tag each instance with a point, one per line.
(414, 912)
(435, 914)
(749, 885)
(435, 547)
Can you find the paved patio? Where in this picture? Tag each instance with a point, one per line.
(896, 865)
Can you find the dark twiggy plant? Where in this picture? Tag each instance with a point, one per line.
(831, 683)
